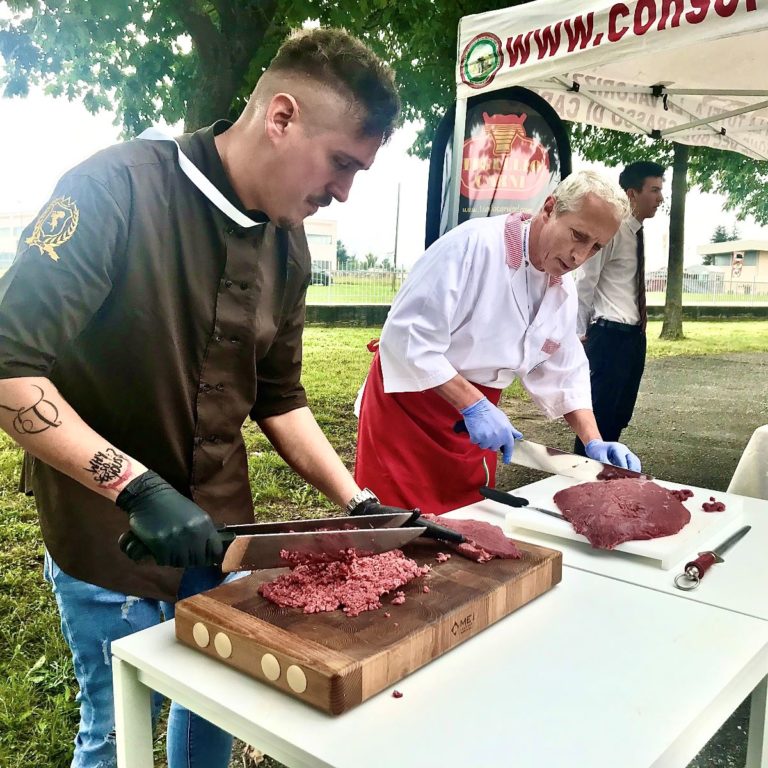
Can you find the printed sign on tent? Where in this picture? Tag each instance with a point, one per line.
(515, 152)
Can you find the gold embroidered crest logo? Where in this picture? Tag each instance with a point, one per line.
(55, 225)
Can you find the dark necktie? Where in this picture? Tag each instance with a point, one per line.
(641, 279)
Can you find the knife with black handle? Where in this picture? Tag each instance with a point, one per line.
(502, 497)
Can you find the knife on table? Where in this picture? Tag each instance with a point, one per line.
(254, 546)
(502, 497)
(694, 571)
(557, 462)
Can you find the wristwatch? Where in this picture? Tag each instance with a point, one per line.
(359, 498)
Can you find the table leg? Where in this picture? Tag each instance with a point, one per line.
(757, 746)
(133, 717)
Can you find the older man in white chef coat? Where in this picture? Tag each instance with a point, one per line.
(489, 302)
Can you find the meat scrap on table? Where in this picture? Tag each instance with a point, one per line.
(610, 512)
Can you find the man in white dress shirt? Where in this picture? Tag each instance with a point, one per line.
(489, 302)
(612, 310)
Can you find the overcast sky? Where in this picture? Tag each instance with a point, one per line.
(41, 137)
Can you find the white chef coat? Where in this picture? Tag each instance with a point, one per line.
(464, 309)
(607, 283)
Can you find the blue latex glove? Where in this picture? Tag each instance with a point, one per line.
(489, 428)
(612, 453)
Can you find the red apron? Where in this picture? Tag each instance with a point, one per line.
(408, 453)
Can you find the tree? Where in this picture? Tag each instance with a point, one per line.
(720, 235)
(342, 257)
(369, 262)
(172, 60)
(198, 61)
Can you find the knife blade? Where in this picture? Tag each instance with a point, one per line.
(557, 462)
(260, 543)
(394, 520)
(693, 572)
(262, 550)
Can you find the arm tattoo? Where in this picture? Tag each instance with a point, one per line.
(109, 468)
(35, 418)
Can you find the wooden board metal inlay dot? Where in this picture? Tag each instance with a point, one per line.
(201, 635)
(223, 645)
(297, 680)
(270, 666)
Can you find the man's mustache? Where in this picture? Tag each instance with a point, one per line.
(321, 201)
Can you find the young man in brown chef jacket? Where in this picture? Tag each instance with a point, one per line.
(154, 304)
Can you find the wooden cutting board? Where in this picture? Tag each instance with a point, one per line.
(335, 662)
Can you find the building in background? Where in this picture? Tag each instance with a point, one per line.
(321, 238)
(11, 227)
(743, 261)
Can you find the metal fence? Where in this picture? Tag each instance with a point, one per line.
(710, 290)
(355, 286)
(379, 286)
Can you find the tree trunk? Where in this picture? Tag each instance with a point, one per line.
(216, 93)
(673, 307)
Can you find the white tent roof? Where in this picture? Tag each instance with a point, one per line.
(693, 71)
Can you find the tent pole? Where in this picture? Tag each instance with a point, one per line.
(728, 137)
(610, 107)
(456, 157)
(715, 118)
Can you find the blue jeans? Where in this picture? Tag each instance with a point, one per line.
(91, 618)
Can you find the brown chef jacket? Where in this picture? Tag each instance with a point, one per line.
(164, 324)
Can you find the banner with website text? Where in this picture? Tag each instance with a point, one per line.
(649, 66)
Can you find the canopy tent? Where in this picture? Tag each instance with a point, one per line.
(692, 71)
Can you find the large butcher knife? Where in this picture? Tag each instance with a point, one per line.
(557, 462)
(252, 546)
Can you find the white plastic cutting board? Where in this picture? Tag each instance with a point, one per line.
(665, 551)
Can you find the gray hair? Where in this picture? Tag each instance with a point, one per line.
(572, 189)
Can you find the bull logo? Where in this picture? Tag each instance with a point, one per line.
(503, 163)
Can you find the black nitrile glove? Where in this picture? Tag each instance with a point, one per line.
(432, 530)
(168, 526)
(375, 507)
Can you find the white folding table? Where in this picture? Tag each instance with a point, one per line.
(596, 673)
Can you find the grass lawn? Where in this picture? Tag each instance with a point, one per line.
(38, 713)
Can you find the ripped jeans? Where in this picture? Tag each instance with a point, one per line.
(91, 617)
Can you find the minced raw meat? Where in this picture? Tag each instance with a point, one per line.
(442, 557)
(682, 494)
(610, 512)
(354, 584)
(483, 540)
(713, 505)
